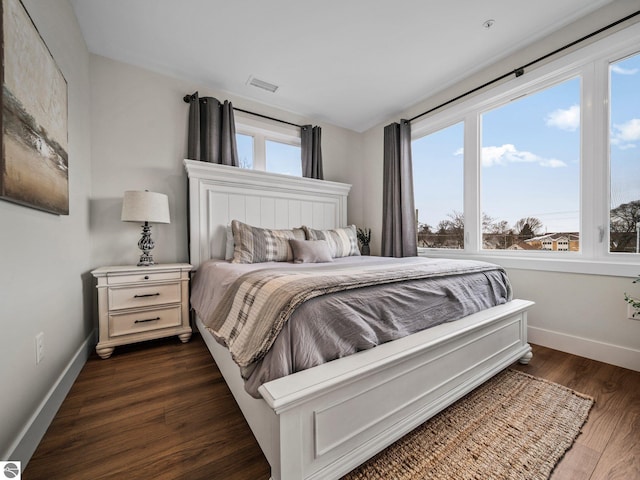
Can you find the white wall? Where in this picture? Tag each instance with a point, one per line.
(139, 131)
(44, 281)
(582, 314)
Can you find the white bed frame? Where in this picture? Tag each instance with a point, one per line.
(323, 422)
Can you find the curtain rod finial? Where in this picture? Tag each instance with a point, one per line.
(187, 98)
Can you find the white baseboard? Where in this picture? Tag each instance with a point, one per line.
(25, 445)
(584, 347)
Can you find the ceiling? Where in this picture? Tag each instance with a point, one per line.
(350, 63)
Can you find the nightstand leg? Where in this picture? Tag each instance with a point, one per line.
(184, 337)
(104, 352)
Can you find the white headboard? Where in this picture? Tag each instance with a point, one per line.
(219, 194)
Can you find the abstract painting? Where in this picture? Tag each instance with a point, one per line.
(34, 166)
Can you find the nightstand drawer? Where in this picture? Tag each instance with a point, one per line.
(142, 296)
(141, 277)
(136, 322)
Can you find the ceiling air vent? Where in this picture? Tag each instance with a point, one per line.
(256, 82)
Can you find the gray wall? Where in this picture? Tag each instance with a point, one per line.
(139, 131)
(45, 258)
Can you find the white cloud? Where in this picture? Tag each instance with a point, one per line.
(459, 151)
(508, 153)
(628, 131)
(565, 119)
(623, 71)
(553, 163)
(627, 146)
(625, 134)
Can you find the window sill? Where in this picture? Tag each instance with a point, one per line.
(630, 267)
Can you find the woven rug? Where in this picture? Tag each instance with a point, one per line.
(514, 426)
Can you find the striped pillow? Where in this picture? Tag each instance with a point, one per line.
(343, 242)
(257, 245)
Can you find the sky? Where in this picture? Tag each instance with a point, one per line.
(531, 156)
(280, 157)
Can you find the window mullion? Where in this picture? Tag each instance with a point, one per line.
(600, 160)
(472, 207)
(592, 232)
(260, 154)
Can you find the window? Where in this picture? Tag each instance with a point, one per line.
(549, 165)
(245, 150)
(438, 163)
(530, 169)
(267, 145)
(283, 158)
(624, 156)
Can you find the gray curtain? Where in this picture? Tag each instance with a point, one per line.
(311, 142)
(398, 220)
(212, 131)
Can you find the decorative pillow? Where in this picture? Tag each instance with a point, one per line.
(256, 245)
(343, 242)
(228, 252)
(310, 251)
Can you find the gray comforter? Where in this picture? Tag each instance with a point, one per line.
(341, 323)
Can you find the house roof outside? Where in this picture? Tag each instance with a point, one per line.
(554, 237)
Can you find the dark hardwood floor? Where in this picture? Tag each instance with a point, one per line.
(161, 410)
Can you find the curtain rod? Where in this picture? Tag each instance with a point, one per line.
(187, 99)
(518, 72)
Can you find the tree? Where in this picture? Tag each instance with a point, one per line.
(624, 219)
(528, 227)
(451, 231)
(426, 237)
(487, 223)
(496, 234)
(499, 228)
(425, 228)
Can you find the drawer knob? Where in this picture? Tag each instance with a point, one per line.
(147, 295)
(147, 320)
(146, 277)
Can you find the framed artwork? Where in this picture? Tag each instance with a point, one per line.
(34, 166)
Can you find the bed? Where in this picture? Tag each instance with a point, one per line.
(322, 422)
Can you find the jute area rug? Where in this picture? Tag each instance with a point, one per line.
(514, 426)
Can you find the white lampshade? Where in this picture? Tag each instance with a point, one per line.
(145, 207)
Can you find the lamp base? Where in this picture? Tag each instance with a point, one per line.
(145, 260)
(146, 245)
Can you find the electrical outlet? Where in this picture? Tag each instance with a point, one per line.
(39, 347)
(631, 311)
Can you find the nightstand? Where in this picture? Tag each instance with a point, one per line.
(142, 303)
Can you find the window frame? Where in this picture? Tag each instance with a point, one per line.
(262, 130)
(591, 65)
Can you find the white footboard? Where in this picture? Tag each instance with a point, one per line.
(323, 422)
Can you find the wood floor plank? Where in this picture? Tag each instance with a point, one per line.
(162, 410)
(621, 458)
(579, 464)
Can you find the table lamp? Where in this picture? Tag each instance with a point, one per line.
(145, 207)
